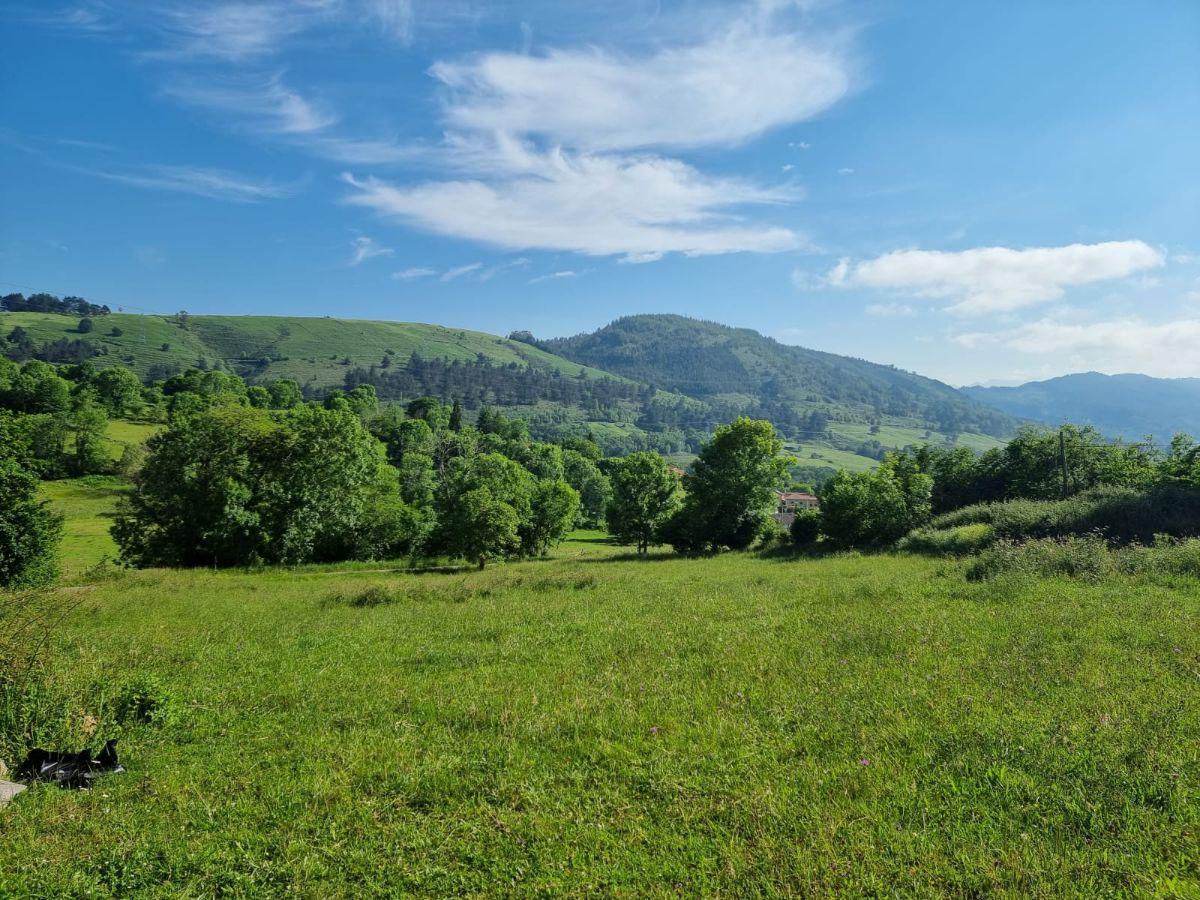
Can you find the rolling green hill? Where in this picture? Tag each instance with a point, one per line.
(659, 382)
(737, 366)
(309, 350)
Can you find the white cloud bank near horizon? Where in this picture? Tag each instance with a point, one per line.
(1131, 344)
(997, 279)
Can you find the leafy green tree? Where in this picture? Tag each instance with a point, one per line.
(456, 416)
(86, 325)
(875, 508)
(806, 527)
(553, 505)
(37, 388)
(29, 530)
(233, 485)
(88, 422)
(119, 390)
(645, 493)
(432, 411)
(489, 528)
(468, 497)
(545, 461)
(285, 394)
(592, 485)
(731, 488)
(1182, 463)
(259, 397)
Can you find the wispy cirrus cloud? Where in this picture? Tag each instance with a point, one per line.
(266, 105)
(636, 207)
(555, 276)
(459, 271)
(549, 151)
(262, 103)
(367, 248)
(732, 85)
(1131, 344)
(414, 273)
(218, 184)
(240, 31)
(997, 279)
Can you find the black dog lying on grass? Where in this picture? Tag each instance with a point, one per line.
(69, 770)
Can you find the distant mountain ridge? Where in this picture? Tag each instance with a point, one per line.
(712, 362)
(1125, 406)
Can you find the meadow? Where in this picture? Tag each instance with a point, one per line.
(597, 724)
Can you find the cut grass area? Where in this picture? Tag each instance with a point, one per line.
(593, 724)
(87, 506)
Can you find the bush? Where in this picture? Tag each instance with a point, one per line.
(961, 540)
(1086, 557)
(1123, 515)
(29, 530)
(144, 701)
(806, 527)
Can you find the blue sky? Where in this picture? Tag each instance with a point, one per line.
(980, 192)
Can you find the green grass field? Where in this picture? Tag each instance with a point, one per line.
(594, 724)
(87, 506)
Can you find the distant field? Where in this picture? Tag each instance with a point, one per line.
(850, 726)
(88, 505)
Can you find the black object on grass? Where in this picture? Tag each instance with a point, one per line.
(69, 770)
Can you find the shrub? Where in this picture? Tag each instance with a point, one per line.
(1123, 515)
(145, 701)
(29, 530)
(1086, 557)
(958, 541)
(806, 527)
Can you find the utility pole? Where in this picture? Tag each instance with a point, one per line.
(1062, 457)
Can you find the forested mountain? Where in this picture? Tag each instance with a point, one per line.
(716, 363)
(1125, 406)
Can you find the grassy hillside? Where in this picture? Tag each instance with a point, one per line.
(711, 361)
(765, 379)
(595, 725)
(1124, 406)
(310, 350)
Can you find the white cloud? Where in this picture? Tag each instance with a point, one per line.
(889, 310)
(751, 76)
(366, 248)
(414, 273)
(269, 107)
(800, 145)
(845, 170)
(395, 17)
(215, 183)
(266, 105)
(460, 271)
(1165, 349)
(997, 279)
(240, 31)
(555, 276)
(636, 207)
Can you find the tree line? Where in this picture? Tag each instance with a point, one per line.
(48, 303)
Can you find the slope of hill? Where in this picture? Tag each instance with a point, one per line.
(726, 365)
(310, 350)
(666, 394)
(1126, 406)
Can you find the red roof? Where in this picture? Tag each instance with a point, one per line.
(794, 495)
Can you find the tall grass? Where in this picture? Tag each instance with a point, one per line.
(1089, 557)
(1123, 515)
